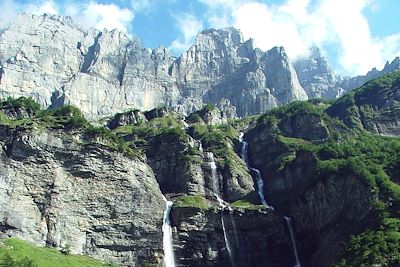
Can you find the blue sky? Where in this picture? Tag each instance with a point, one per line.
(355, 35)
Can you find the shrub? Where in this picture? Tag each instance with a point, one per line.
(21, 102)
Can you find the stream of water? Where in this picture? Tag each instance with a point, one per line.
(169, 260)
(210, 163)
(228, 246)
(244, 154)
(296, 255)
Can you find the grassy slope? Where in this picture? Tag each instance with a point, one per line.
(44, 257)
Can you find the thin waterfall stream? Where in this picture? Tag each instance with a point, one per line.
(244, 154)
(225, 205)
(210, 164)
(296, 255)
(169, 259)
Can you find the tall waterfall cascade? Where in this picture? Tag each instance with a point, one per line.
(169, 259)
(260, 185)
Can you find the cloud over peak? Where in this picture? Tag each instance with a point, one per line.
(89, 14)
(300, 24)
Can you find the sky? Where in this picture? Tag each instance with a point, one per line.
(354, 35)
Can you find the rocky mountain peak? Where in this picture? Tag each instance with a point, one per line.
(122, 75)
(278, 51)
(316, 75)
(219, 66)
(355, 82)
(394, 65)
(228, 36)
(27, 19)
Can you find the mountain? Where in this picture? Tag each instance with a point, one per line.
(331, 176)
(320, 81)
(317, 77)
(173, 176)
(355, 82)
(56, 62)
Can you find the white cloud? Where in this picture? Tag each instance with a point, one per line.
(107, 16)
(48, 7)
(89, 14)
(8, 9)
(299, 24)
(141, 4)
(190, 26)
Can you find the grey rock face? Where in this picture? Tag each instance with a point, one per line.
(317, 77)
(255, 238)
(56, 192)
(308, 127)
(57, 62)
(319, 80)
(179, 172)
(132, 117)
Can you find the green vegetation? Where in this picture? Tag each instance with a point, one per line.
(245, 204)
(18, 253)
(360, 107)
(192, 155)
(275, 115)
(374, 247)
(68, 118)
(191, 202)
(65, 116)
(21, 102)
(350, 152)
(217, 139)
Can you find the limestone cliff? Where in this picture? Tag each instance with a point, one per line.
(57, 62)
(55, 191)
(317, 77)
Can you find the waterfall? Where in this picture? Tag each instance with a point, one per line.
(210, 164)
(289, 223)
(200, 146)
(169, 260)
(260, 184)
(234, 228)
(244, 154)
(224, 205)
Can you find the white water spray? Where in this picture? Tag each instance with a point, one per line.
(169, 260)
(296, 255)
